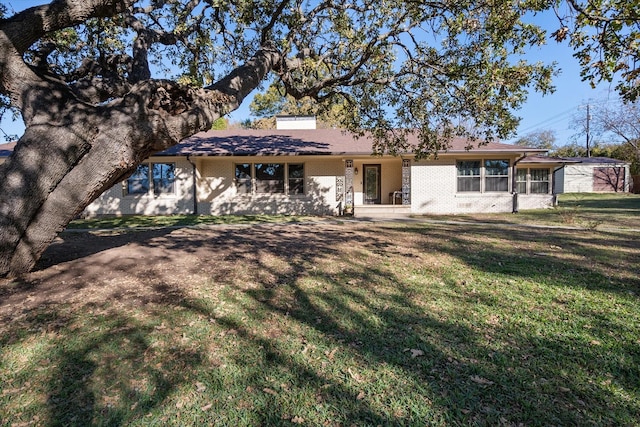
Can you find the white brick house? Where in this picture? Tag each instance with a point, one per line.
(326, 171)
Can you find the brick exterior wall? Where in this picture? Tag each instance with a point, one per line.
(434, 191)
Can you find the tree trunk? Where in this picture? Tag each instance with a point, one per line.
(53, 175)
(72, 152)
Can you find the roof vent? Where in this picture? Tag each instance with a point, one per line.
(295, 122)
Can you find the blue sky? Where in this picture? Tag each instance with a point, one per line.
(550, 112)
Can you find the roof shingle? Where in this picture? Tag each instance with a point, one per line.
(246, 142)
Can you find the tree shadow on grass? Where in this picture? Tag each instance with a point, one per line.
(70, 246)
(95, 365)
(588, 256)
(472, 375)
(339, 326)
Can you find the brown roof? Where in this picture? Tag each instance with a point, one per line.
(7, 149)
(593, 160)
(547, 159)
(247, 142)
(566, 160)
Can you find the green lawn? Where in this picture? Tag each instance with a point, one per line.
(585, 210)
(146, 221)
(329, 324)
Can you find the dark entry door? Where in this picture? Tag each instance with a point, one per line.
(372, 184)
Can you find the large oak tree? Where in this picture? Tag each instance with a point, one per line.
(86, 77)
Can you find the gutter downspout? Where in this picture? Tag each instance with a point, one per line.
(195, 190)
(514, 184)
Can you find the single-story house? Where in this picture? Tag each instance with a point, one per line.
(592, 174)
(298, 169)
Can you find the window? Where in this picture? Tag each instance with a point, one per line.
(162, 176)
(539, 181)
(243, 178)
(533, 181)
(270, 178)
(469, 175)
(496, 175)
(521, 181)
(296, 179)
(138, 182)
(483, 176)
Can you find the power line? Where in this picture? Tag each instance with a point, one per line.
(551, 120)
(556, 118)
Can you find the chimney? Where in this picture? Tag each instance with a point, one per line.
(295, 122)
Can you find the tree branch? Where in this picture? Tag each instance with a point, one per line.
(30, 25)
(266, 31)
(22, 30)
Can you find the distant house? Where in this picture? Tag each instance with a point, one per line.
(592, 174)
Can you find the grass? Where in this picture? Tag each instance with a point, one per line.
(146, 221)
(585, 210)
(332, 324)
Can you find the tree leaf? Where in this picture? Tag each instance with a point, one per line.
(414, 352)
(270, 391)
(479, 380)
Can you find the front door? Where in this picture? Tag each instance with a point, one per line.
(372, 184)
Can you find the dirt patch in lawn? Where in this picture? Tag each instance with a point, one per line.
(138, 267)
(154, 266)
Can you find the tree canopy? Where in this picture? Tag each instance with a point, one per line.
(606, 38)
(275, 101)
(418, 65)
(102, 84)
(539, 139)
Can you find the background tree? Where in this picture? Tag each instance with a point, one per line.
(620, 122)
(574, 149)
(220, 124)
(622, 152)
(540, 139)
(102, 84)
(614, 130)
(330, 113)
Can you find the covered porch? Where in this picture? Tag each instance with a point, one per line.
(378, 187)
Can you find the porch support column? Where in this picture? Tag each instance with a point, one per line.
(406, 181)
(348, 177)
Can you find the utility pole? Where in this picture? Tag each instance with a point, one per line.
(588, 142)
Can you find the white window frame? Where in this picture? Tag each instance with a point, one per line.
(466, 177)
(483, 176)
(529, 181)
(487, 177)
